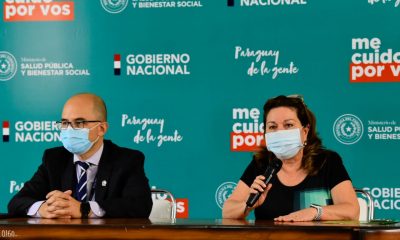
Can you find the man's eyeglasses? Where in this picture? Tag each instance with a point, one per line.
(79, 124)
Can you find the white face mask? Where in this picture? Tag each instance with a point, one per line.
(285, 144)
(77, 141)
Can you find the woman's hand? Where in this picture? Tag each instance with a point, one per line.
(259, 186)
(235, 206)
(303, 215)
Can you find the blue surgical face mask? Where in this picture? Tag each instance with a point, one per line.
(285, 144)
(77, 141)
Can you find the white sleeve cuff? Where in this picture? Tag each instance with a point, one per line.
(97, 211)
(34, 209)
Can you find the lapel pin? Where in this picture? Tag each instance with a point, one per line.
(103, 183)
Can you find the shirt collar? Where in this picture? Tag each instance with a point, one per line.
(94, 159)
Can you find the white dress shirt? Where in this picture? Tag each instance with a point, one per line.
(93, 161)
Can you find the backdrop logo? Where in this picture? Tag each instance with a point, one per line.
(31, 131)
(166, 4)
(396, 2)
(117, 6)
(117, 64)
(371, 64)
(6, 131)
(8, 66)
(247, 131)
(264, 62)
(39, 10)
(114, 6)
(153, 64)
(223, 192)
(150, 130)
(348, 129)
(265, 3)
(385, 198)
(42, 67)
(383, 130)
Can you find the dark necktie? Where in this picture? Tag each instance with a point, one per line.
(81, 188)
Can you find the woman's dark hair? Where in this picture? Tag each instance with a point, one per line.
(313, 144)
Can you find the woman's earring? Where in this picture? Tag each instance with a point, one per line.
(305, 143)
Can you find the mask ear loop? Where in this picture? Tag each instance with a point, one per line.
(98, 137)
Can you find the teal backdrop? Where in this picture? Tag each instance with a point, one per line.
(196, 74)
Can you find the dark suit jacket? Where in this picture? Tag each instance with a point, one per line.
(126, 194)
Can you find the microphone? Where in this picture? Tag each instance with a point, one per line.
(274, 167)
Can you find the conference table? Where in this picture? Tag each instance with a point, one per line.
(36, 228)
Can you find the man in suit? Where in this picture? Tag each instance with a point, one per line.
(89, 176)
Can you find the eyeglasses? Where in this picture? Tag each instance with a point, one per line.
(297, 96)
(79, 124)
